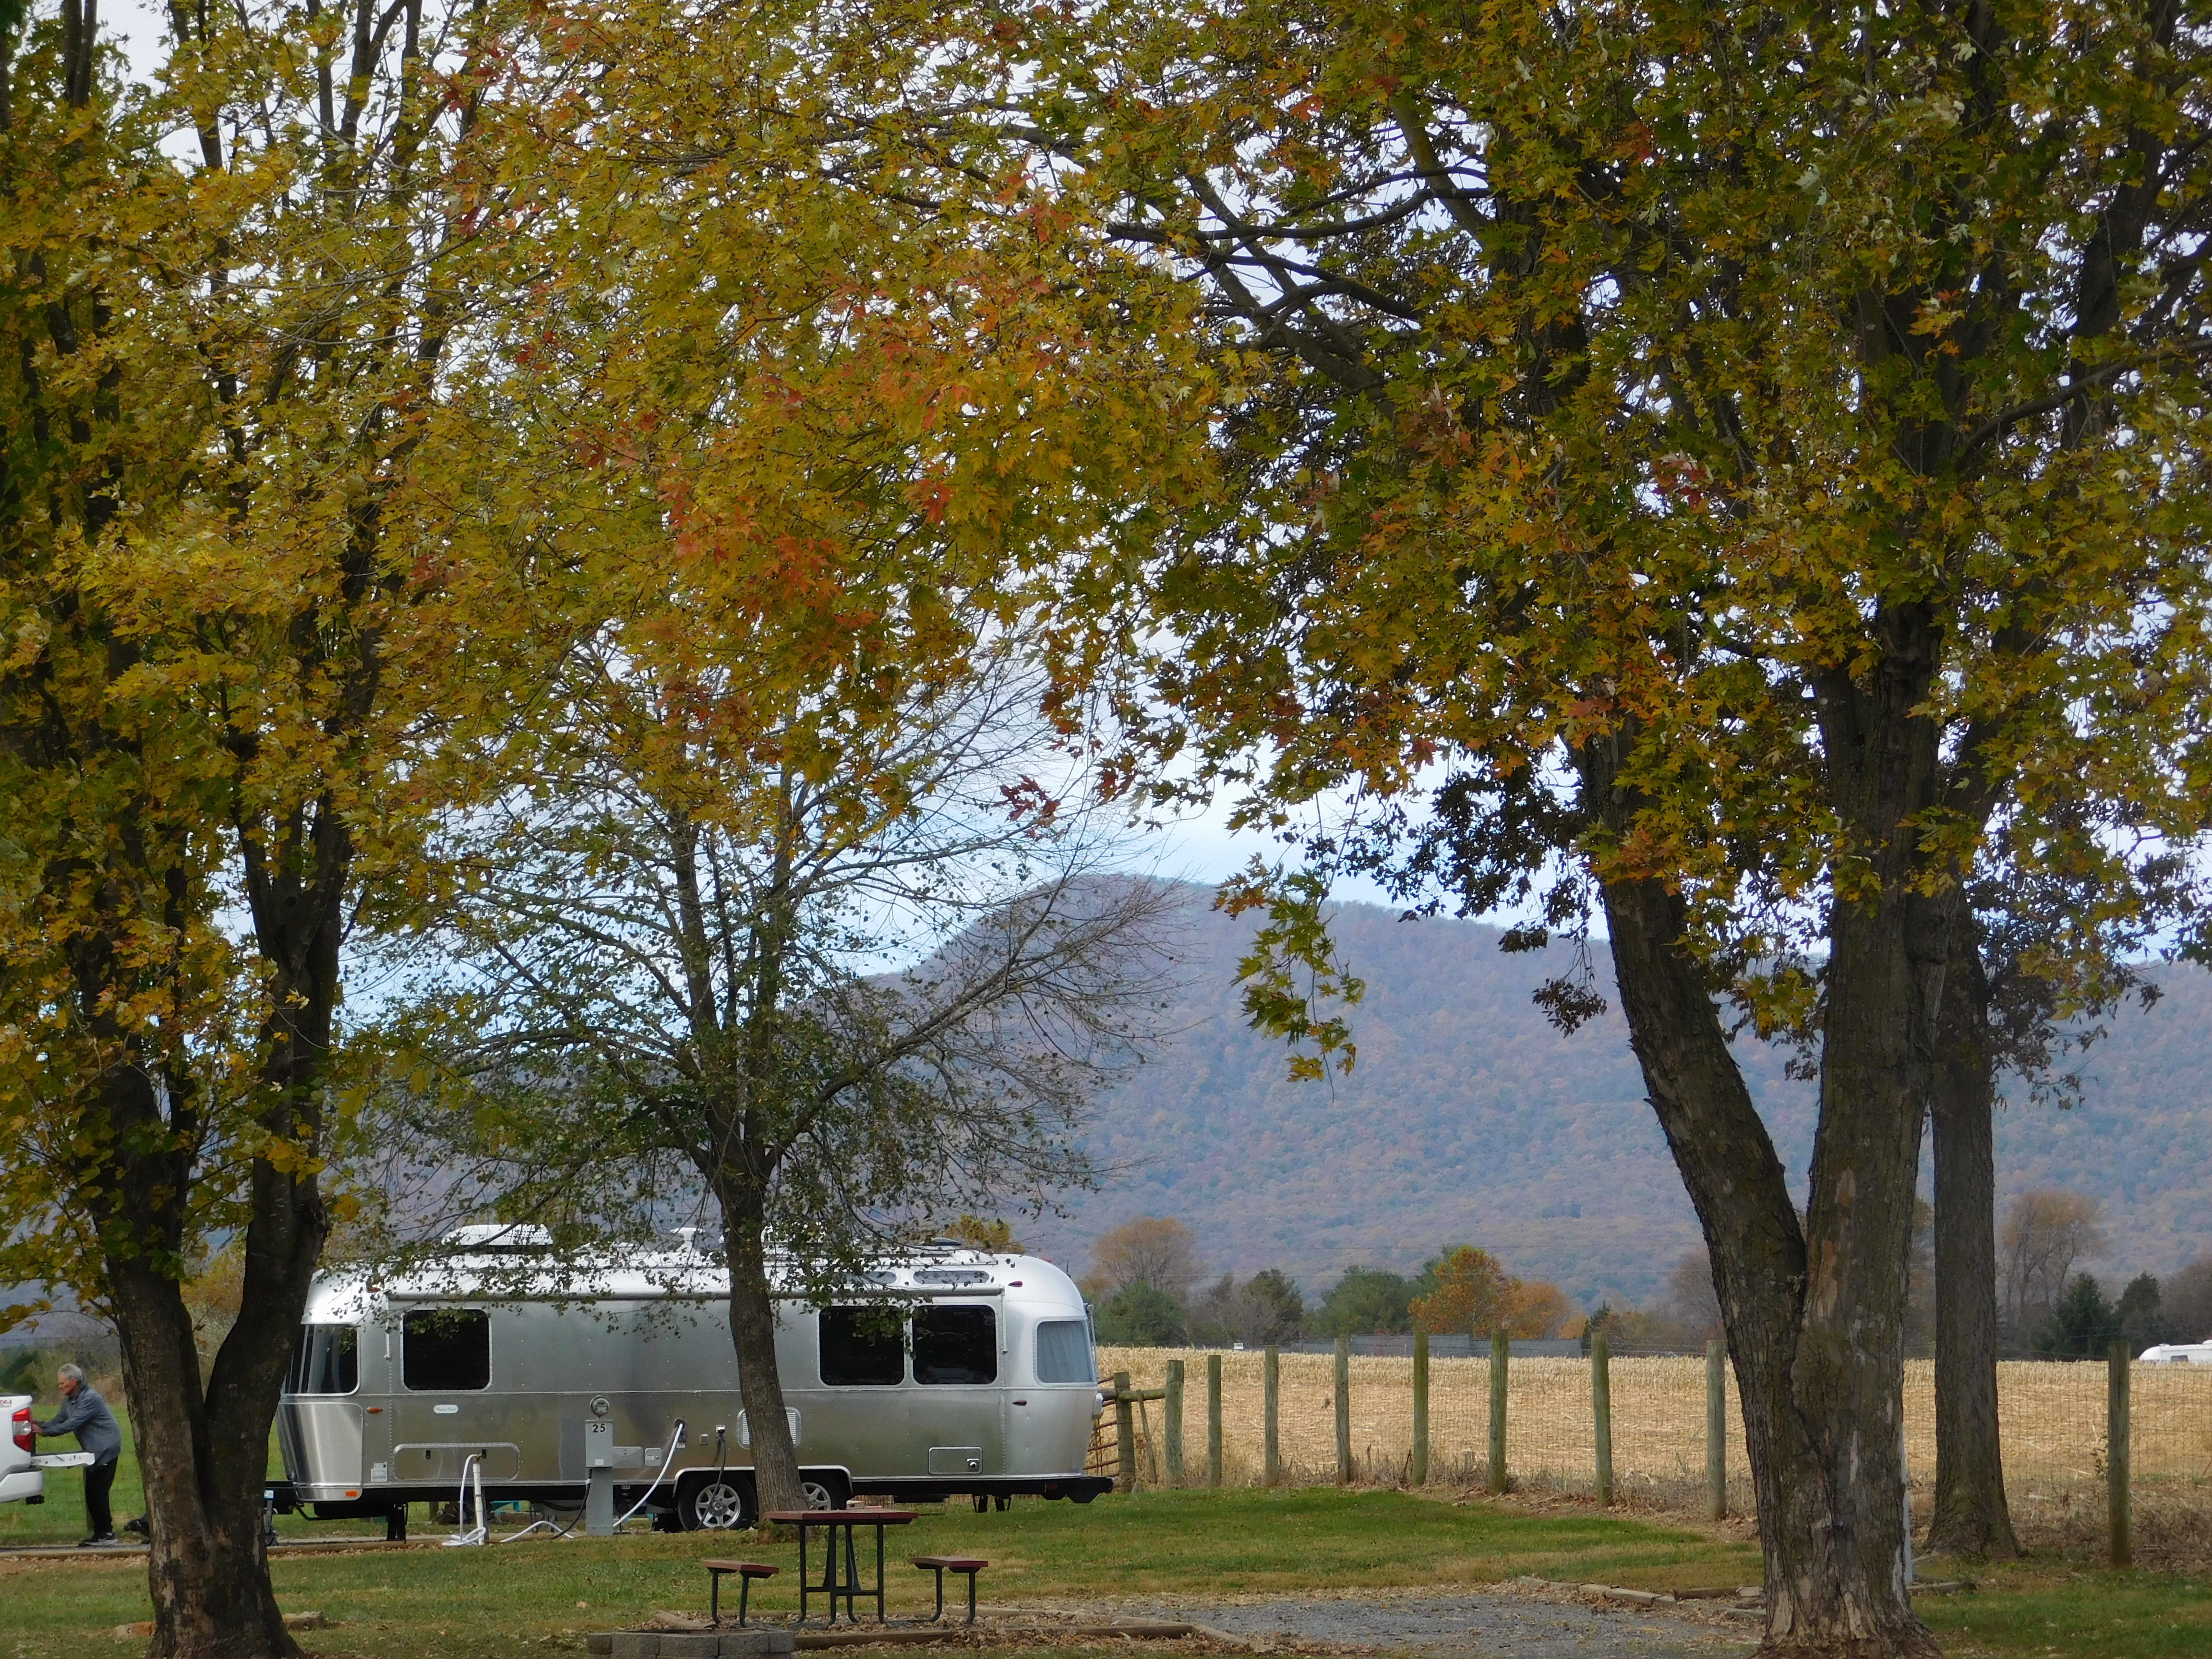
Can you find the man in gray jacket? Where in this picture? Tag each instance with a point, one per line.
(85, 1414)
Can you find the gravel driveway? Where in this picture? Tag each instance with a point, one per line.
(1508, 1624)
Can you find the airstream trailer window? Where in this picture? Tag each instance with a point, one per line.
(327, 1360)
(860, 1349)
(955, 1345)
(1064, 1351)
(446, 1350)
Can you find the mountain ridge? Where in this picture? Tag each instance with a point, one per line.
(1469, 1118)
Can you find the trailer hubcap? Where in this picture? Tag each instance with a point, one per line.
(817, 1495)
(719, 1507)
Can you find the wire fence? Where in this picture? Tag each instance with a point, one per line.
(2051, 1419)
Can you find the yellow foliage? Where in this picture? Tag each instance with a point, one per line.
(1475, 1296)
(1538, 1308)
(1472, 1295)
(212, 1298)
(980, 1234)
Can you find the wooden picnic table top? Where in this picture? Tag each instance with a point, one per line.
(842, 1517)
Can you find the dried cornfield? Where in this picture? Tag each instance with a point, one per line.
(2052, 1417)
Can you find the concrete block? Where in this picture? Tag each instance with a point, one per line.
(635, 1644)
(599, 1644)
(703, 1644)
(758, 1643)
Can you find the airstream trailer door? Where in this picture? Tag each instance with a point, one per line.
(445, 1382)
(379, 1382)
(957, 1366)
(319, 1426)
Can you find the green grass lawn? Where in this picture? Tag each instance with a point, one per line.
(517, 1598)
(2041, 1607)
(537, 1596)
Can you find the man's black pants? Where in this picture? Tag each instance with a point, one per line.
(98, 1478)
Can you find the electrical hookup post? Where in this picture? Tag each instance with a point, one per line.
(599, 1475)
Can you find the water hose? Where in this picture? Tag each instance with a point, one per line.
(481, 1533)
(674, 1439)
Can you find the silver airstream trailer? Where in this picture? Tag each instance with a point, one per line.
(957, 1372)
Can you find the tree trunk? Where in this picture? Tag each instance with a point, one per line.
(207, 1571)
(1814, 1311)
(1971, 1516)
(203, 1454)
(1866, 1159)
(1816, 1334)
(752, 1331)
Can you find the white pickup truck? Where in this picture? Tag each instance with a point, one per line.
(22, 1467)
(20, 1478)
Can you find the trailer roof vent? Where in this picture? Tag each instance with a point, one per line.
(495, 1236)
(950, 1276)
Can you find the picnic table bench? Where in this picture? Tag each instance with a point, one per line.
(746, 1571)
(941, 1564)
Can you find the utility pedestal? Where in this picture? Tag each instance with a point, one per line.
(599, 1472)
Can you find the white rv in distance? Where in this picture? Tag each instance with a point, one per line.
(2177, 1354)
(980, 1381)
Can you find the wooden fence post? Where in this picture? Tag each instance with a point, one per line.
(1171, 1422)
(1271, 1465)
(1501, 1349)
(1715, 1431)
(1418, 1473)
(1343, 1411)
(1601, 1406)
(2116, 1456)
(1214, 1420)
(1125, 1435)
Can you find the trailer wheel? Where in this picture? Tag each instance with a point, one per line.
(713, 1502)
(825, 1489)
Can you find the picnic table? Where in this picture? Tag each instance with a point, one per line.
(846, 1583)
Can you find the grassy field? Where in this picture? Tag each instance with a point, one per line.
(537, 1596)
(518, 1599)
(2035, 1608)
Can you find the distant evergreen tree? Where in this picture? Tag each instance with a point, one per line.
(2083, 1323)
(1141, 1315)
(2141, 1315)
(1366, 1301)
(21, 1371)
(1277, 1298)
(2185, 1302)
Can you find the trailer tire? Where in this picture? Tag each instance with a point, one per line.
(707, 1501)
(825, 1489)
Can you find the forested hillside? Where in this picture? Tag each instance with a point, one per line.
(1469, 1118)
